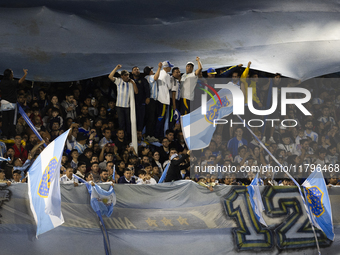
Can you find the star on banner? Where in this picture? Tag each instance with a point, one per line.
(182, 220)
(151, 222)
(167, 222)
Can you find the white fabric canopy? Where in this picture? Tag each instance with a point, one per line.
(70, 40)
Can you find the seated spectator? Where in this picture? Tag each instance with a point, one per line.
(108, 157)
(287, 145)
(321, 155)
(156, 157)
(109, 168)
(89, 177)
(106, 139)
(326, 119)
(95, 171)
(74, 155)
(104, 176)
(20, 151)
(68, 177)
(86, 157)
(55, 130)
(16, 177)
(156, 174)
(309, 133)
(81, 170)
(120, 141)
(81, 142)
(333, 180)
(3, 178)
(55, 118)
(127, 178)
(332, 156)
(237, 141)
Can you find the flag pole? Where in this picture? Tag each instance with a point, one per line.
(315, 236)
(289, 175)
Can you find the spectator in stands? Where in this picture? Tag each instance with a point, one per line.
(106, 139)
(175, 95)
(95, 171)
(68, 177)
(142, 98)
(175, 167)
(127, 178)
(121, 142)
(164, 150)
(70, 104)
(20, 151)
(124, 85)
(164, 85)
(237, 141)
(151, 107)
(81, 170)
(104, 176)
(9, 88)
(309, 133)
(326, 119)
(188, 84)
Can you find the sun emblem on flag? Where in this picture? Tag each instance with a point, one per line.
(44, 186)
(315, 198)
(212, 114)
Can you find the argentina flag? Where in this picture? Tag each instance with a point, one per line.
(197, 128)
(256, 200)
(103, 201)
(318, 203)
(44, 187)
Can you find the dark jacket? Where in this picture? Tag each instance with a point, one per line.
(174, 171)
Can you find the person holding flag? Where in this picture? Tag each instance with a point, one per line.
(172, 171)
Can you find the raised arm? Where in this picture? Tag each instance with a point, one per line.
(199, 69)
(229, 71)
(34, 149)
(158, 71)
(113, 73)
(22, 79)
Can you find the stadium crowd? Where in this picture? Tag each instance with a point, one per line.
(99, 148)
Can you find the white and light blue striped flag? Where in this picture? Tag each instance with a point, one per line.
(44, 186)
(256, 200)
(197, 128)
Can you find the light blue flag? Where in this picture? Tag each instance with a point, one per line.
(318, 203)
(256, 200)
(197, 128)
(44, 187)
(103, 201)
(161, 180)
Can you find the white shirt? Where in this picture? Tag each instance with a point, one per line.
(288, 148)
(65, 179)
(153, 86)
(176, 87)
(123, 96)
(151, 181)
(164, 85)
(188, 84)
(312, 135)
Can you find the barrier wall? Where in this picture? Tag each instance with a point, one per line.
(170, 218)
